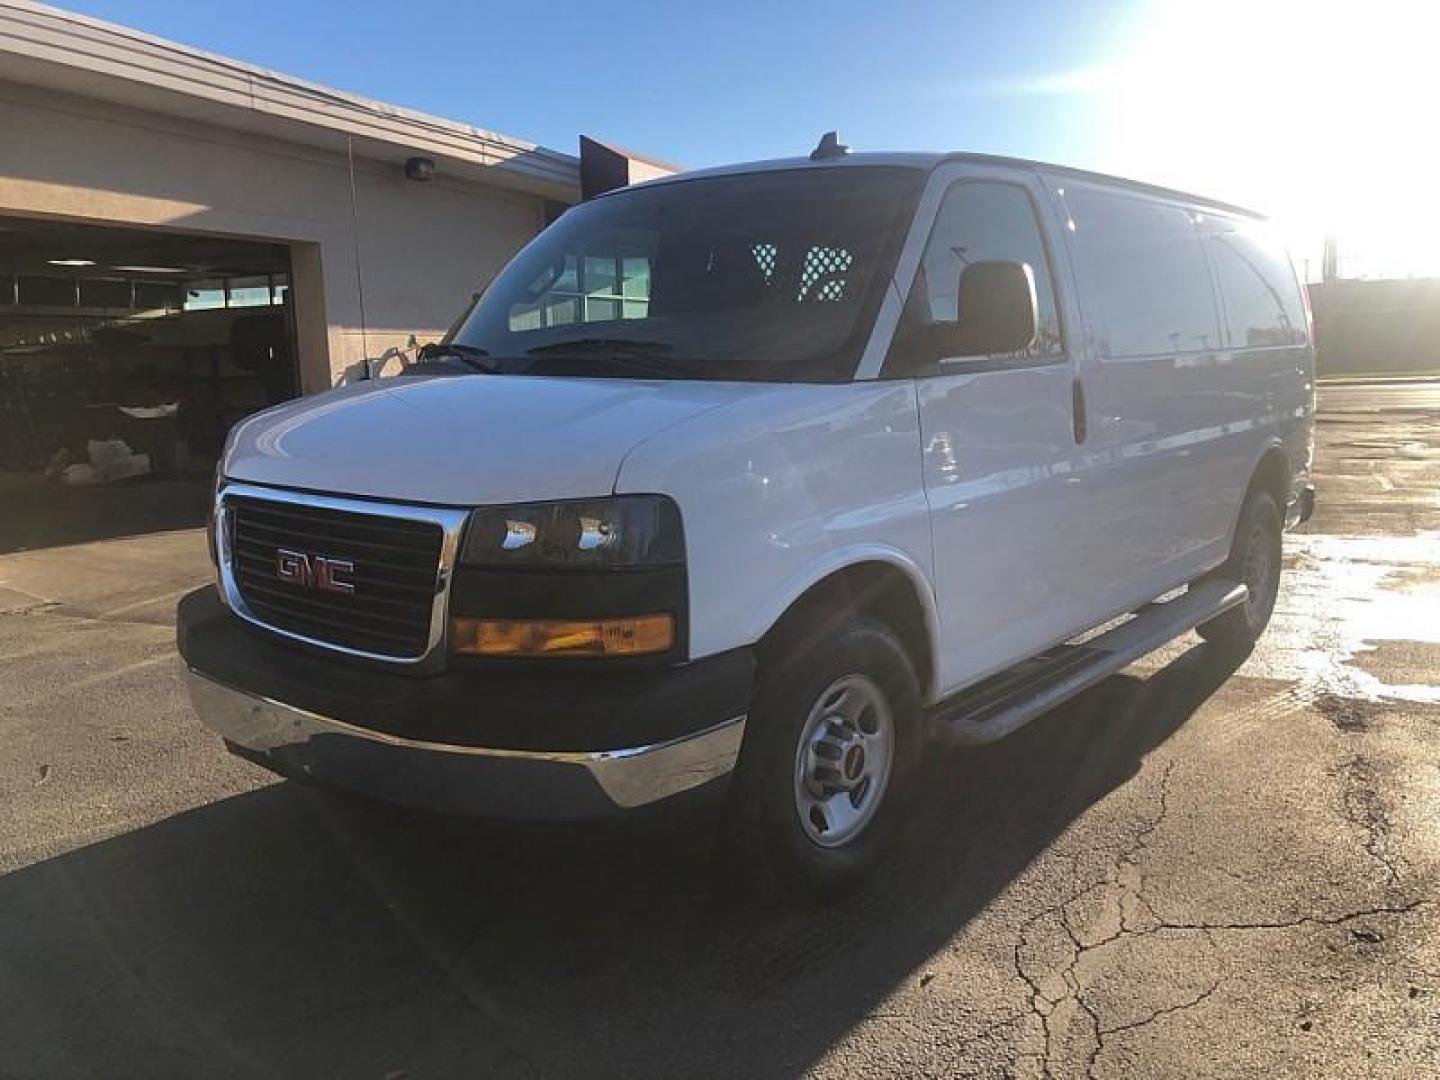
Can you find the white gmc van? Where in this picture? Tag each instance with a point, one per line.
(753, 480)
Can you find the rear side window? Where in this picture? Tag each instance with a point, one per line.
(1258, 293)
(1142, 275)
(979, 221)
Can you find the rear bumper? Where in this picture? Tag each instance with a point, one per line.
(528, 744)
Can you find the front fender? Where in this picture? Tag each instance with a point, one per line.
(810, 575)
(788, 484)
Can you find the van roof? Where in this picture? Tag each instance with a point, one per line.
(928, 161)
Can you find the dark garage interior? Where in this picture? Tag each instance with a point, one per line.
(125, 357)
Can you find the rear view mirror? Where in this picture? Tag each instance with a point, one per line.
(997, 310)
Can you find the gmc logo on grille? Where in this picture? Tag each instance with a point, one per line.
(314, 571)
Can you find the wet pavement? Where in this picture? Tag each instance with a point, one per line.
(1196, 869)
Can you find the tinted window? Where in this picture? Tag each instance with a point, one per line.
(980, 222)
(1257, 287)
(1142, 275)
(767, 275)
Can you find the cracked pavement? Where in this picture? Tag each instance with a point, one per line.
(1196, 869)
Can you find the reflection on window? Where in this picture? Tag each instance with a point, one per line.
(589, 288)
(635, 288)
(1144, 274)
(1257, 288)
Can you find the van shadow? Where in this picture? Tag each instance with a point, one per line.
(285, 933)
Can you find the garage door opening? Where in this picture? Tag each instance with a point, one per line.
(125, 357)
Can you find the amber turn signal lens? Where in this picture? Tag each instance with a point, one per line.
(638, 635)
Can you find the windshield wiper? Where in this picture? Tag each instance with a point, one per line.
(602, 345)
(470, 355)
(650, 357)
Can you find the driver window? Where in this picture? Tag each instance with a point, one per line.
(979, 221)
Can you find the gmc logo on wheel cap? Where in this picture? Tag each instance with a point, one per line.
(314, 571)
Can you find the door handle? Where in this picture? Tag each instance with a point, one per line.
(1077, 410)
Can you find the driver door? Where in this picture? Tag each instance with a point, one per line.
(1004, 472)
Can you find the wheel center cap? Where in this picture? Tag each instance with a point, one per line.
(854, 762)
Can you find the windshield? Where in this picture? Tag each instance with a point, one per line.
(768, 276)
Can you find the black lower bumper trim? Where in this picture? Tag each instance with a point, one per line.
(537, 706)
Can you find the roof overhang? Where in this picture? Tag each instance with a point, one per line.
(75, 54)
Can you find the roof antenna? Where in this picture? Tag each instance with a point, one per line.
(828, 147)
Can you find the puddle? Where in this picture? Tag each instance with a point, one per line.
(1358, 619)
(1401, 661)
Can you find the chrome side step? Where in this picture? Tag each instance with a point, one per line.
(994, 707)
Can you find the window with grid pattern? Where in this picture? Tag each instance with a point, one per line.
(590, 288)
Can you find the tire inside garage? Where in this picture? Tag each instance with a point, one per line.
(125, 357)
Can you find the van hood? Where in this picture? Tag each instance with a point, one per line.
(465, 440)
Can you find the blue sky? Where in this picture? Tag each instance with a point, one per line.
(698, 84)
(1304, 109)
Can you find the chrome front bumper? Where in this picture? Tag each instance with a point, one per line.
(539, 785)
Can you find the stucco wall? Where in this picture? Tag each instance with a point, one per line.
(423, 247)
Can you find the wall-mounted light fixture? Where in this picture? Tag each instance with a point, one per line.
(420, 168)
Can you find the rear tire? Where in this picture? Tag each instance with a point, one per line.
(1255, 560)
(831, 747)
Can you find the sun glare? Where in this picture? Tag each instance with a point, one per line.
(1316, 113)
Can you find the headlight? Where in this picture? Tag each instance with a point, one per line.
(593, 534)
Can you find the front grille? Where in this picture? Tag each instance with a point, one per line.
(396, 566)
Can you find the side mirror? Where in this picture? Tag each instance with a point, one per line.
(997, 311)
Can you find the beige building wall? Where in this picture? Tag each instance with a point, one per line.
(423, 248)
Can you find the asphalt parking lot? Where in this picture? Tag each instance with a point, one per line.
(1193, 870)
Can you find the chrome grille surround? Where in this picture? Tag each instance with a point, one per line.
(451, 522)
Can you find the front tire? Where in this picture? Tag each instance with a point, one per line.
(830, 752)
(1255, 560)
